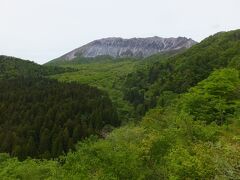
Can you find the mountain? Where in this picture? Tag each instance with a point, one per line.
(135, 47)
(192, 133)
(163, 80)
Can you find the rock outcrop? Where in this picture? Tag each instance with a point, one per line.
(135, 47)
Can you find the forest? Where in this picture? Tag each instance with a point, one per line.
(11, 67)
(179, 115)
(50, 117)
(165, 78)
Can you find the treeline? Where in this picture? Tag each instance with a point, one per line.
(163, 80)
(43, 118)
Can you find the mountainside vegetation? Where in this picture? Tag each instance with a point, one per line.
(108, 74)
(50, 117)
(183, 114)
(104, 73)
(163, 80)
(169, 143)
(11, 67)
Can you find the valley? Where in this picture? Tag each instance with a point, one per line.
(171, 115)
(107, 75)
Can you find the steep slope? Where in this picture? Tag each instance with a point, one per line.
(135, 47)
(162, 80)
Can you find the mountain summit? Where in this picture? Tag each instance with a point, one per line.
(135, 47)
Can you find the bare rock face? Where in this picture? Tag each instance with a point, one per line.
(135, 47)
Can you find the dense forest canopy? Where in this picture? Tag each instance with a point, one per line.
(169, 143)
(49, 117)
(215, 99)
(105, 74)
(109, 74)
(163, 79)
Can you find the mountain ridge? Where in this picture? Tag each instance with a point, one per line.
(134, 47)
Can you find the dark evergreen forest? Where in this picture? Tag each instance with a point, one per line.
(44, 118)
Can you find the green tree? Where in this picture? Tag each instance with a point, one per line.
(214, 99)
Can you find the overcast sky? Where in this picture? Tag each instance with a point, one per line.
(41, 30)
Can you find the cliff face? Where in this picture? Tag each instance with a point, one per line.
(135, 47)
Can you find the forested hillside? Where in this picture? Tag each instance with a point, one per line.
(47, 116)
(186, 109)
(175, 142)
(160, 82)
(109, 74)
(11, 67)
(104, 73)
(50, 117)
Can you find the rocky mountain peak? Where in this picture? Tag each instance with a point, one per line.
(134, 47)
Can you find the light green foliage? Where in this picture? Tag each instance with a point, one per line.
(107, 75)
(195, 163)
(214, 99)
(110, 75)
(119, 156)
(166, 145)
(29, 169)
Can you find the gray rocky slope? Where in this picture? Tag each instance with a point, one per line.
(135, 47)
